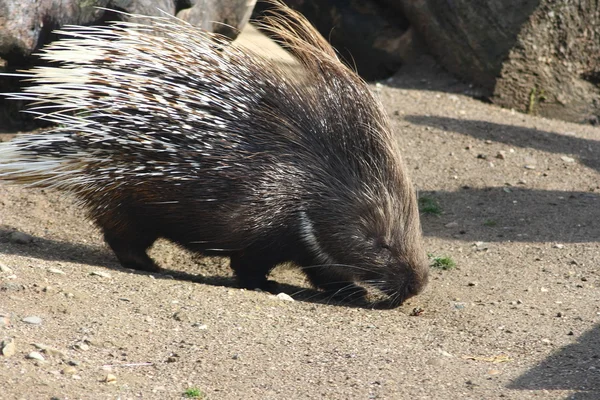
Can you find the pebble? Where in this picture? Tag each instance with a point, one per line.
(567, 159)
(4, 320)
(202, 327)
(543, 289)
(473, 283)
(181, 316)
(452, 224)
(51, 351)
(110, 378)
(56, 271)
(4, 268)
(8, 347)
(285, 297)
(558, 246)
(20, 238)
(33, 320)
(529, 166)
(81, 346)
(34, 355)
(100, 273)
(69, 370)
(501, 155)
(493, 372)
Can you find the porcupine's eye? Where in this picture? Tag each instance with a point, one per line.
(383, 246)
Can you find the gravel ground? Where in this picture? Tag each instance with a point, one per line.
(517, 318)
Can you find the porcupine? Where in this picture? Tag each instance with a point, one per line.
(167, 131)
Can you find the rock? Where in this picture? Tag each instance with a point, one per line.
(33, 320)
(453, 224)
(34, 355)
(56, 271)
(225, 17)
(8, 347)
(20, 237)
(110, 378)
(69, 370)
(543, 59)
(51, 351)
(4, 268)
(4, 320)
(81, 346)
(558, 246)
(284, 297)
(372, 38)
(501, 155)
(100, 273)
(567, 159)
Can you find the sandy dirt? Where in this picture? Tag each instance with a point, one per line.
(518, 318)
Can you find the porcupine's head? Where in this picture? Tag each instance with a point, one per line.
(360, 219)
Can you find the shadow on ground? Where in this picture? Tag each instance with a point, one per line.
(54, 250)
(515, 214)
(574, 367)
(585, 150)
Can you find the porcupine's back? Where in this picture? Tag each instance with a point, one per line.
(173, 130)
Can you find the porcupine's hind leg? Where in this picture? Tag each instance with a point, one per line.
(130, 248)
(129, 242)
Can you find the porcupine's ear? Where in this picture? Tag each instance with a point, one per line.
(293, 31)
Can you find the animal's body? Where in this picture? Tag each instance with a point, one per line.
(169, 131)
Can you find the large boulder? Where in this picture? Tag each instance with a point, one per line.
(536, 56)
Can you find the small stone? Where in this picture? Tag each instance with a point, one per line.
(570, 333)
(100, 273)
(436, 362)
(181, 316)
(34, 355)
(445, 353)
(546, 341)
(559, 315)
(473, 283)
(20, 238)
(33, 320)
(110, 378)
(482, 156)
(493, 372)
(8, 347)
(559, 246)
(235, 357)
(69, 370)
(453, 224)
(4, 268)
(81, 346)
(201, 327)
(501, 155)
(4, 320)
(543, 290)
(48, 289)
(51, 351)
(56, 271)
(284, 297)
(529, 166)
(567, 159)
